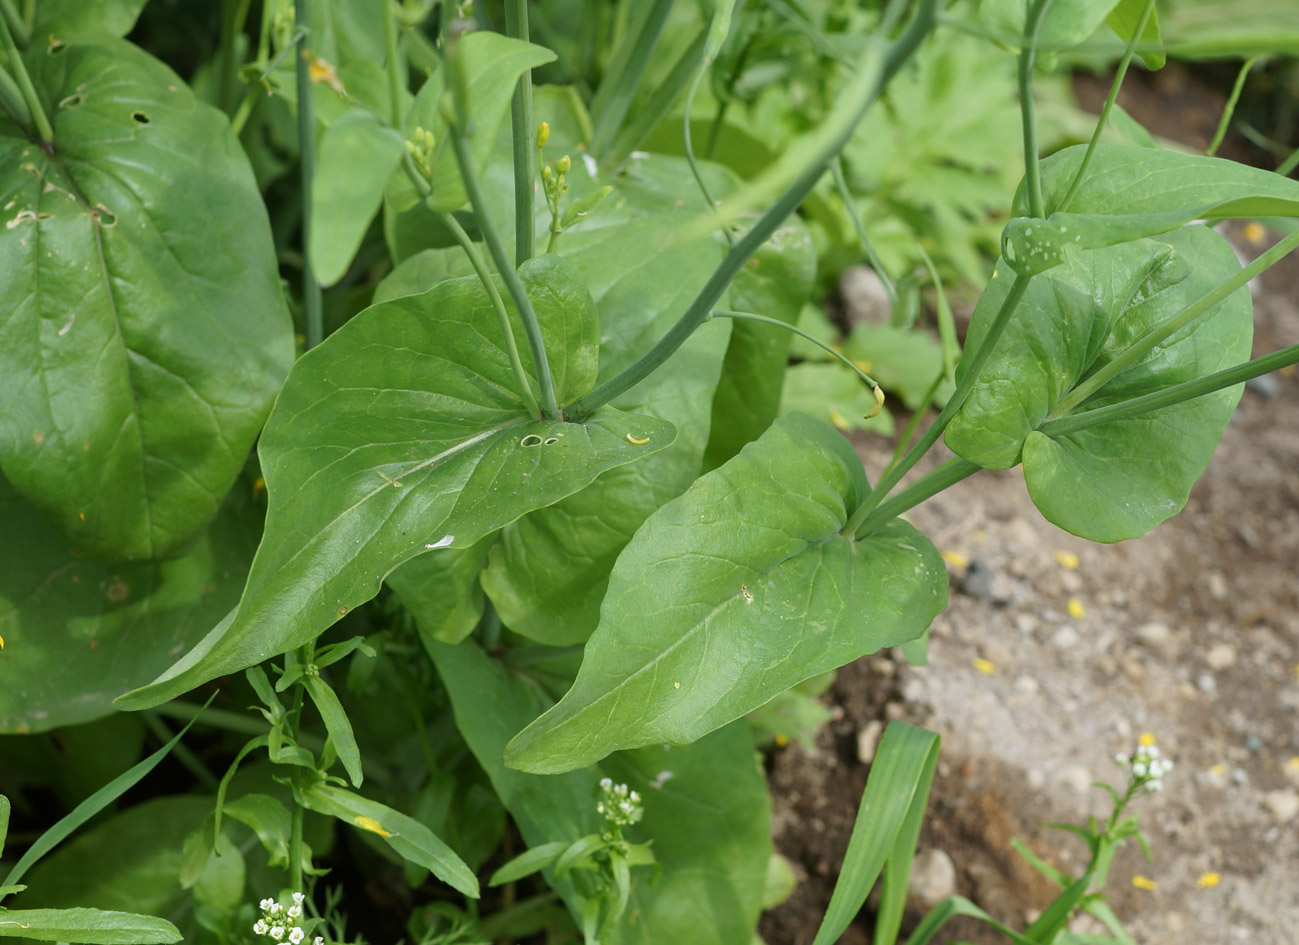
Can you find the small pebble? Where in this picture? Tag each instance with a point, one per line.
(865, 300)
(1282, 804)
(1253, 743)
(868, 739)
(1066, 638)
(1218, 587)
(982, 583)
(1239, 777)
(1076, 777)
(1026, 685)
(933, 878)
(1220, 656)
(1266, 386)
(1207, 684)
(1154, 633)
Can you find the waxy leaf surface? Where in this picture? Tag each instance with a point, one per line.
(78, 634)
(1115, 480)
(402, 433)
(706, 808)
(144, 332)
(549, 572)
(734, 592)
(1133, 192)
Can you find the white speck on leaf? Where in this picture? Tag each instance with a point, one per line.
(442, 542)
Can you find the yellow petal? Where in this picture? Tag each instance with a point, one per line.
(987, 667)
(370, 824)
(1075, 608)
(1146, 740)
(1208, 880)
(1067, 559)
(1143, 882)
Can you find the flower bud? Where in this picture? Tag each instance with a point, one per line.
(543, 134)
(563, 165)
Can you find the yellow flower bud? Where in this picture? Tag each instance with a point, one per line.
(547, 174)
(563, 165)
(543, 134)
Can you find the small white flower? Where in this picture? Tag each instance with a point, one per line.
(635, 798)
(266, 903)
(276, 908)
(295, 910)
(298, 898)
(1122, 759)
(1139, 769)
(296, 936)
(319, 940)
(1154, 786)
(260, 927)
(277, 932)
(606, 783)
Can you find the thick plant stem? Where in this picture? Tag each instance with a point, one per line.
(11, 99)
(394, 64)
(233, 15)
(513, 284)
(311, 307)
(1027, 54)
(485, 276)
(16, 24)
(614, 97)
(1171, 395)
(523, 134)
(697, 313)
(1110, 99)
(945, 476)
(1161, 332)
(34, 107)
(893, 475)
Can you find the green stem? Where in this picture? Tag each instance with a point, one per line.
(660, 103)
(1289, 164)
(893, 475)
(944, 477)
(305, 654)
(233, 15)
(513, 284)
(916, 417)
(256, 92)
(1188, 390)
(1230, 108)
(690, 150)
(859, 225)
(697, 313)
(15, 23)
(1110, 99)
(11, 98)
(524, 140)
(311, 302)
(181, 752)
(1147, 343)
(631, 58)
(1027, 54)
(839, 355)
(395, 114)
(502, 316)
(42, 121)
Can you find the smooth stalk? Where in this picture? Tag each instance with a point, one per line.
(614, 97)
(523, 134)
(513, 284)
(15, 23)
(502, 316)
(1110, 99)
(1187, 390)
(306, 655)
(34, 107)
(181, 752)
(11, 98)
(660, 103)
(1289, 164)
(1164, 330)
(944, 477)
(893, 475)
(690, 150)
(1230, 108)
(395, 113)
(838, 355)
(315, 326)
(1027, 54)
(233, 15)
(740, 253)
(859, 225)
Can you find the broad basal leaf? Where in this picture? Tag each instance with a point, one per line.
(403, 433)
(1117, 480)
(733, 593)
(1133, 192)
(91, 926)
(78, 634)
(492, 66)
(144, 332)
(1065, 24)
(706, 808)
(61, 19)
(441, 590)
(548, 574)
(357, 153)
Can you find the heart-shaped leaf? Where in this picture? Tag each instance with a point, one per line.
(144, 332)
(403, 433)
(1116, 480)
(733, 593)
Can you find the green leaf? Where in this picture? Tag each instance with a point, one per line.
(401, 434)
(1115, 480)
(706, 809)
(549, 572)
(885, 831)
(4, 821)
(493, 64)
(357, 154)
(422, 271)
(777, 282)
(63, 19)
(1124, 20)
(733, 593)
(1134, 192)
(1066, 23)
(91, 926)
(145, 332)
(441, 590)
(954, 906)
(832, 392)
(268, 818)
(905, 361)
(78, 634)
(337, 725)
(408, 837)
(528, 862)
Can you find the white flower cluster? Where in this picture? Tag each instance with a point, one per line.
(281, 924)
(1146, 766)
(618, 805)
